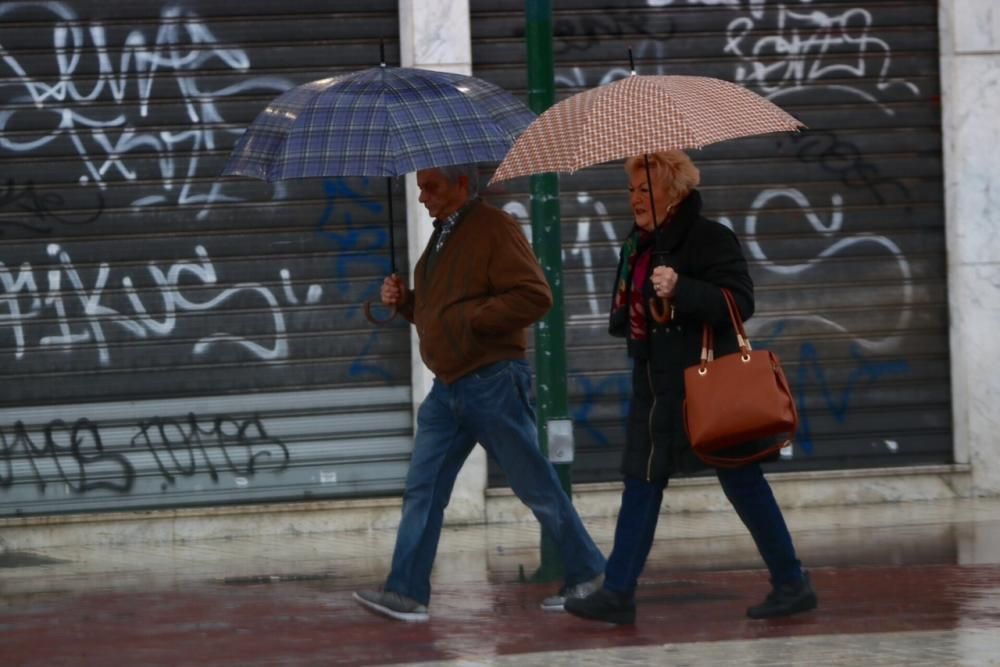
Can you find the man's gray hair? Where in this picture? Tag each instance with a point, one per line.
(470, 171)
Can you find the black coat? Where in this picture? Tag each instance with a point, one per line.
(706, 256)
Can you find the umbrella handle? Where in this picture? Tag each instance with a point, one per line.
(374, 320)
(661, 310)
(393, 310)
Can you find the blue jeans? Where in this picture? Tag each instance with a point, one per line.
(751, 496)
(490, 406)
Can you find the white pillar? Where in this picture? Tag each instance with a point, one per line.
(436, 35)
(970, 87)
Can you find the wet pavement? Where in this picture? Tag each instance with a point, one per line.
(905, 584)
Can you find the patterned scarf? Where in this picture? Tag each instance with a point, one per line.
(632, 275)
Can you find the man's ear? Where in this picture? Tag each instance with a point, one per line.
(463, 182)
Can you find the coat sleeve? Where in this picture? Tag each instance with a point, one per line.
(719, 263)
(406, 310)
(519, 293)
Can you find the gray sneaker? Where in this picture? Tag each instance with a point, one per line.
(393, 605)
(581, 590)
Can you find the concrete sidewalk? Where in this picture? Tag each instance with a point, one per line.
(899, 584)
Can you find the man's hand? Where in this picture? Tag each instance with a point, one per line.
(664, 281)
(393, 291)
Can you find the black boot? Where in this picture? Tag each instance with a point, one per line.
(604, 605)
(786, 600)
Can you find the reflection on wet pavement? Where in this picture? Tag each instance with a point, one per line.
(914, 584)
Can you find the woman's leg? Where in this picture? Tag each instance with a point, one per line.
(637, 519)
(752, 498)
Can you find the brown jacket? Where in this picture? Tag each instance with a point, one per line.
(472, 302)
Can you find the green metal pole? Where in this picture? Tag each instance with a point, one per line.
(555, 433)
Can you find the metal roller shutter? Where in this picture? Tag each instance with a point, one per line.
(169, 337)
(843, 224)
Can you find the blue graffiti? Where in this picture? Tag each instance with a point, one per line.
(360, 367)
(356, 237)
(865, 372)
(370, 239)
(618, 386)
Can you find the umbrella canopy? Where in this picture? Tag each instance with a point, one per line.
(382, 121)
(637, 115)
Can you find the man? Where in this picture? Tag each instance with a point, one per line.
(476, 287)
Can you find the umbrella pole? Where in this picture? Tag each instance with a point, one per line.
(658, 308)
(392, 226)
(392, 255)
(649, 185)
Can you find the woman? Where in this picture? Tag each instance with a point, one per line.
(693, 258)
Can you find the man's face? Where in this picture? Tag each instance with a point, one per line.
(440, 197)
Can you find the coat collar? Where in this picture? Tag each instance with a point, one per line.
(688, 212)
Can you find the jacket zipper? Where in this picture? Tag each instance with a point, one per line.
(652, 446)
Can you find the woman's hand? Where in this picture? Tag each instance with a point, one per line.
(664, 281)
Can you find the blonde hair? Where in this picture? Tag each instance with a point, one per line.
(674, 169)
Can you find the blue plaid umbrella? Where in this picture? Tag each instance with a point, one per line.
(382, 121)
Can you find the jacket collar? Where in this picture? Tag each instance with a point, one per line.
(458, 215)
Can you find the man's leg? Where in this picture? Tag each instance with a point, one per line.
(440, 448)
(496, 403)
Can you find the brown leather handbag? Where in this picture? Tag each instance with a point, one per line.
(736, 398)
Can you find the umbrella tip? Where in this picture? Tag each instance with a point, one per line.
(631, 62)
(381, 51)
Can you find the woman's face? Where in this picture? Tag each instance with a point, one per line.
(638, 190)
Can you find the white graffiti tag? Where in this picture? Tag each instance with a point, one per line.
(583, 250)
(837, 246)
(807, 49)
(79, 302)
(104, 135)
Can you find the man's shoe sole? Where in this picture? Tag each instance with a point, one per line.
(409, 617)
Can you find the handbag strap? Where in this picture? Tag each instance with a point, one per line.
(707, 348)
(708, 336)
(734, 316)
(728, 462)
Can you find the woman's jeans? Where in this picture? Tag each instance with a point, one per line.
(490, 406)
(751, 496)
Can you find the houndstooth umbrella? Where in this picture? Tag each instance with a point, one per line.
(638, 115)
(381, 121)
